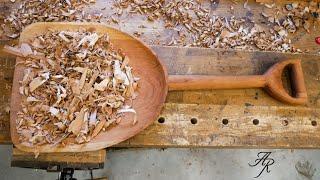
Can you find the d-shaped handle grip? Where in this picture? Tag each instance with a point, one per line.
(274, 82)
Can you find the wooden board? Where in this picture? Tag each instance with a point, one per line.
(6, 76)
(280, 125)
(58, 161)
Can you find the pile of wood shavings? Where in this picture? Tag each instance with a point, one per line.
(75, 85)
(194, 23)
(297, 15)
(28, 12)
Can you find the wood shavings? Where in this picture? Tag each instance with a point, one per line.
(28, 12)
(114, 20)
(102, 85)
(21, 52)
(75, 125)
(129, 110)
(297, 15)
(270, 6)
(70, 100)
(25, 49)
(90, 39)
(99, 127)
(195, 26)
(137, 34)
(32, 99)
(35, 83)
(245, 5)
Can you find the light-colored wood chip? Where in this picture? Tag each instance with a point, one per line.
(75, 125)
(99, 127)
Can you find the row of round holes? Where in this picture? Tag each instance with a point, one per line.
(192, 120)
(226, 121)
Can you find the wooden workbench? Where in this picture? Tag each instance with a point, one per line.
(220, 118)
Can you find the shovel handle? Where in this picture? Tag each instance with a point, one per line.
(197, 82)
(275, 87)
(271, 81)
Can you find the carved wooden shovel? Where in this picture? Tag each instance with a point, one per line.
(271, 81)
(153, 85)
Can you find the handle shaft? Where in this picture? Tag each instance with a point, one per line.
(197, 82)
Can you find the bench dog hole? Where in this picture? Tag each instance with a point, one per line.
(314, 123)
(225, 121)
(161, 120)
(255, 121)
(194, 120)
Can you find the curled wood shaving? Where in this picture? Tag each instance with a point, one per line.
(129, 110)
(67, 99)
(35, 83)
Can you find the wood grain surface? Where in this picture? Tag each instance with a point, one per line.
(279, 125)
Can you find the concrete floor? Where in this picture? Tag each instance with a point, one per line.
(187, 164)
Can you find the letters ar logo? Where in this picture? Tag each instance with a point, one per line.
(264, 161)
